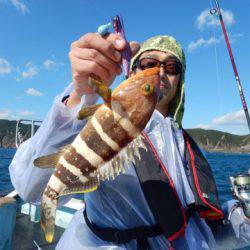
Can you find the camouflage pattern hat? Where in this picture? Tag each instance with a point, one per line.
(169, 45)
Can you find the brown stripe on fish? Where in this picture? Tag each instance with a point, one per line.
(112, 127)
(50, 193)
(77, 160)
(88, 153)
(66, 176)
(94, 141)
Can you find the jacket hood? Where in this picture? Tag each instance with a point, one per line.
(169, 45)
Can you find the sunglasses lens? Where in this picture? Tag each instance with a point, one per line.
(147, 63)
(173, 68)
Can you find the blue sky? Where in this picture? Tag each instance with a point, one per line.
(36, 37)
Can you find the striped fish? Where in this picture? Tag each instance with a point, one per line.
(112, 126)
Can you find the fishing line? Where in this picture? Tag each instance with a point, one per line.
(217, 66)
(38, 247)
(217, 11)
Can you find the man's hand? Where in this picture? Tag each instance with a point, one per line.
(98, 57)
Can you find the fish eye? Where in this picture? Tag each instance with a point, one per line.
(147, 88)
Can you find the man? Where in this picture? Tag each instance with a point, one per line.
(124, 203)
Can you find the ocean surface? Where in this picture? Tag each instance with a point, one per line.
(223, 166)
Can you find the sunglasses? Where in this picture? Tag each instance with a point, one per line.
(171, 66)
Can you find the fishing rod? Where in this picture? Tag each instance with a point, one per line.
(237, 78)
(240, 184)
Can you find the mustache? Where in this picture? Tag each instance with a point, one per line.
(161, 92)
(164, 81)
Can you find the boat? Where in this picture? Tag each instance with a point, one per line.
(21, 220)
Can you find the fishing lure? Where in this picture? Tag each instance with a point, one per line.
(126, 53)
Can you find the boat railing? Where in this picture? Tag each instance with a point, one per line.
(13, 208)
(12, 194)
(18, 141)
(19, 138)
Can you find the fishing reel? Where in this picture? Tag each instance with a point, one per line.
(240, 187)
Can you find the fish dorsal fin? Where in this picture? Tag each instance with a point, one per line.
(111, 169)
(87, 111)
(122, 160)
(49, 161)
(101, 89)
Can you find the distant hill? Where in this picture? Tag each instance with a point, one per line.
(217, 141)
(209, 140)
(8, 132)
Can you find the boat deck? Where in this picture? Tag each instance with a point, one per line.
(26, 232)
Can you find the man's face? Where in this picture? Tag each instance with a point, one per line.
(169, 82)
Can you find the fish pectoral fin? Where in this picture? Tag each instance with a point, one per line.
(51, 160)
(101, 89)
(86, 187)
(47, 161)
(87, 111)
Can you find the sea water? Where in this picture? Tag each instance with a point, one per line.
(223, 165)
(6, 156)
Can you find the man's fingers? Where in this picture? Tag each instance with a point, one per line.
(105, 46)
(96, 56)
(134, 46)
(86, 67)
(120, 44)
(117, 40)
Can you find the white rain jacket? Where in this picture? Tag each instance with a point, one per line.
(118, 203)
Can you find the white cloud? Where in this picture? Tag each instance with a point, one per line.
(6, 114)
(29, 71)
(234, 118)
(33, 92)
(5, 67)
(202, 42)
(205, 19)
(228, 17)
(196, 44)
(234, 122)
(20, 6)
(25, 113)
(52, 64)
(203, 126)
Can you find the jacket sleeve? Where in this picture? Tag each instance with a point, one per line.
(58, 129)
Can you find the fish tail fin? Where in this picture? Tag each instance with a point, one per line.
(48, 214)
